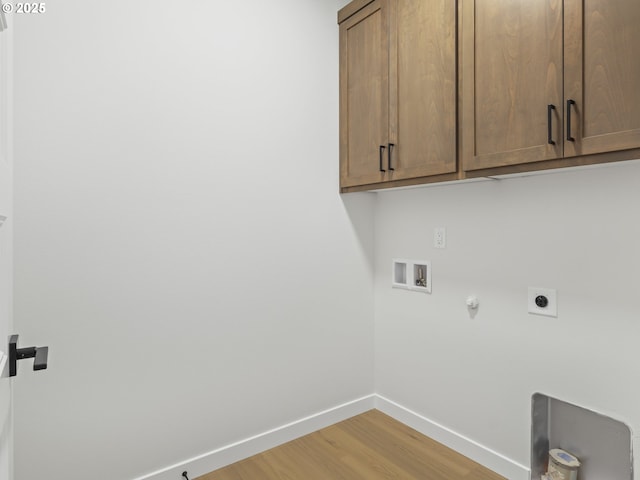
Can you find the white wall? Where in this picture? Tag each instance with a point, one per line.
(182, 249)
(181, 245)
(575, 231)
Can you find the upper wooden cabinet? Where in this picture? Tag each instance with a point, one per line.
(511, 71)
(602, 75)
(397, 91)
(364, 95)
(545, 80)
(435, 90)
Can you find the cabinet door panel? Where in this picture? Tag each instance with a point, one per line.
(423, 87)
(363, 94)
(511, 71)
(602, 75)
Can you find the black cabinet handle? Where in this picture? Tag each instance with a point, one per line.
(391, 145)
(550, 109)
(382, 147)
(569, 136)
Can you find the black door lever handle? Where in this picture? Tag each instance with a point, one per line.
(39, 354)
(40, 362)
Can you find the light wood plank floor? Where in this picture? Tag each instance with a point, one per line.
(371, 446)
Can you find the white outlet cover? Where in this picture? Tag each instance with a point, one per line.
(551, 310)
(440, 237)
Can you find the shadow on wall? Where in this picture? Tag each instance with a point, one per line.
(360, 209)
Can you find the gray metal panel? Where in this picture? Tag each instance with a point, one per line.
(603, 444)
(539, 435)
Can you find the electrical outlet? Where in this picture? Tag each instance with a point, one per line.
(440, 237)
(543, 301)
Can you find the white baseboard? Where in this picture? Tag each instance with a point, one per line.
(461, 444)
(234, 452)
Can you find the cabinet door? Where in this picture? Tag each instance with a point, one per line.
(511, 71)
(602, 75)
(364, 94)
(422, 86)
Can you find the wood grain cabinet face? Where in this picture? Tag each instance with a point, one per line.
(423, 88)
(545, 80)
(364, 94)
(398, 103)
(511, 68)
(602, 75)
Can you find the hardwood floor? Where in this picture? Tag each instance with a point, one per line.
(371, 446)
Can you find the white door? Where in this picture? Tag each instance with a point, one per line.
(6, 248)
